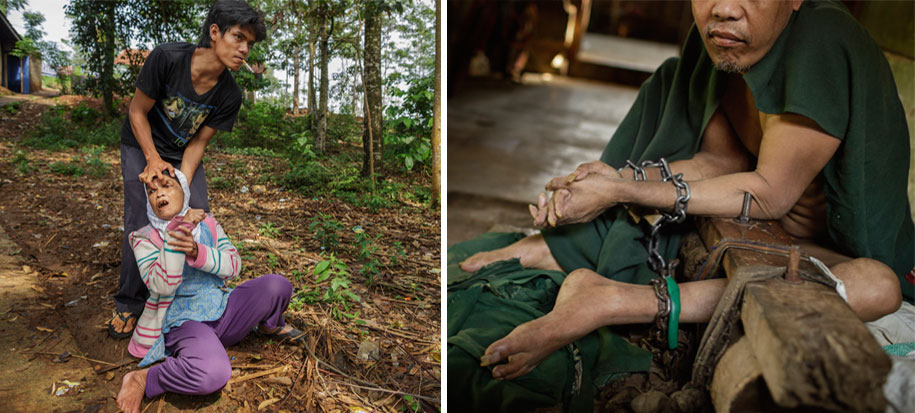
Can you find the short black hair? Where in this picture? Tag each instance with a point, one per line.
(228, 13)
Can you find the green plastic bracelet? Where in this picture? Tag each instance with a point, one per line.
(674, 323)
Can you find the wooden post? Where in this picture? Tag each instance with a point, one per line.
(811, 348)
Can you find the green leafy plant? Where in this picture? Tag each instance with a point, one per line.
(10, 108)
(57, 131)
(67, 168)
(326, 230)
(220, 182)
(334, 272)
(410, 404)
(84, 114)
(93, 157)
(408, 126)
(22, 163)
(398, 253)
(268, 230)
(367, 248)
(272, 261)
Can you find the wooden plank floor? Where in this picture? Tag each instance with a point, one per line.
(505, 141)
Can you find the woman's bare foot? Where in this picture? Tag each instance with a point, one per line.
(285, 329)
(532, 251)
(586, 301)
(132, 391)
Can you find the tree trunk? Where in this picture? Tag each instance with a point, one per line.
(437, 106)
(371, 83)
(321, 135)
(295, 79)
(311, 82)
(356, 86)
(107, 75)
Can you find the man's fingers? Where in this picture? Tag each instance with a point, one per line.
(557, 183)
(533, 211)
(572, 177)
(551, 211)
(517, 366)
(560, 199)
(540, 218)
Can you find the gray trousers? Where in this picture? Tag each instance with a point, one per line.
(132, 293)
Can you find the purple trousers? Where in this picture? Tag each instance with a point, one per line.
(198, 363)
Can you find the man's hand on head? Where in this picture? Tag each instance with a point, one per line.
(154, 169)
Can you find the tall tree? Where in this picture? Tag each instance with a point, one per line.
(101, 27)
(33, 21)
(312, 39)
(326, 14)
(372, 135)
(7, 5)
(437, 108)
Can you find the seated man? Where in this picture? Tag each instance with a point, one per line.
(789, 101)
(184, 258)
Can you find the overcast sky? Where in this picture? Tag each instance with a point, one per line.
(56, 26)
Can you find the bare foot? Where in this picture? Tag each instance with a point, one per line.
(582, 305)
(132, 391)
(532, 251)
(286, 328)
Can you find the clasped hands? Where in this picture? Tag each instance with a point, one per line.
(183, 238)
(579, 197)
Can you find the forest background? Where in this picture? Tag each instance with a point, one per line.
(330, 177)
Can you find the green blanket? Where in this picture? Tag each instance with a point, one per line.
(823, 66)
(485, 306)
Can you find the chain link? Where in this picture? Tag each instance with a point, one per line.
(655, 260)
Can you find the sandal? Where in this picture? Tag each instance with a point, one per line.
(124, 319)
(292, 335)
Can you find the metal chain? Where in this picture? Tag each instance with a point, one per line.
(669, 358)
(655, 260)
(661, 319)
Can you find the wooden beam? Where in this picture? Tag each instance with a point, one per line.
(737, 385)
(812, 348)
(714, 231)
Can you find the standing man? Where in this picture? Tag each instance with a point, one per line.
(184, 94)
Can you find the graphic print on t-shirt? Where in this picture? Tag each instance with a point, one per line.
(181, 115)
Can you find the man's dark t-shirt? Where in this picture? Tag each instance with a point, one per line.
(179, 111)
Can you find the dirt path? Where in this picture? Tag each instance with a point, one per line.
(31, 342)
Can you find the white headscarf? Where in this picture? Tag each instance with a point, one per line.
(160, 224)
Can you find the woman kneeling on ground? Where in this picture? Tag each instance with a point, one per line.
(190, 317)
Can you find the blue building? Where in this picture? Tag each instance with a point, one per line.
(16, 74)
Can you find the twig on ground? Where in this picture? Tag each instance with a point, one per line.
(49, 353)
(297, 376)
(391, 391)
(256, 375)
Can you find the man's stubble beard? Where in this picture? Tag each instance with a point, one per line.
(731, 67)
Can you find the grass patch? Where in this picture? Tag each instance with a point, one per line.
(67, 168)
(62, 128)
